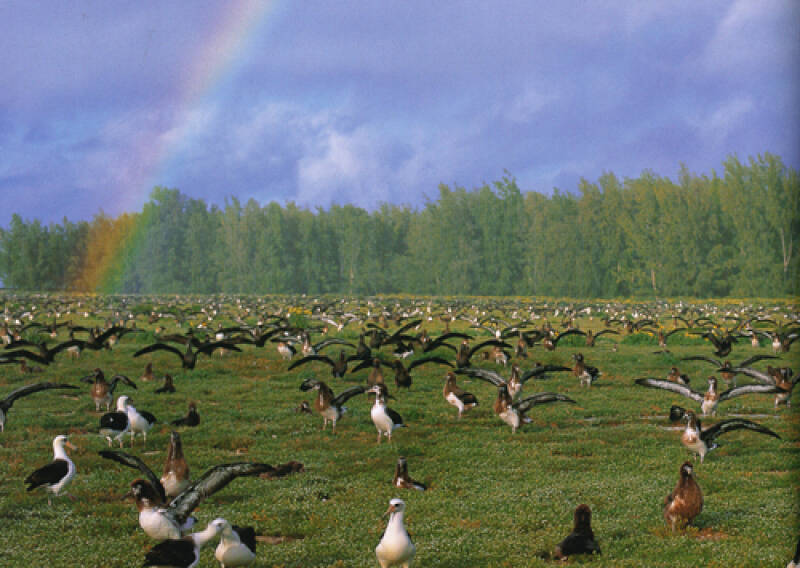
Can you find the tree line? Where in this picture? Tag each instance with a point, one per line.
(699, 236)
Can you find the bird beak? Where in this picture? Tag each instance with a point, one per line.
(70, 445)
(389, 511)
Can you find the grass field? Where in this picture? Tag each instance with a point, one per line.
(495, 499)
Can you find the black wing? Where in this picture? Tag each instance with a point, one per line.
(48, 474)
(394, 416)
(307, 358)
(529, 402)
(248, 536)
(709, 434)
(212, 481)
(424, 360)
(6, 403)
(159, 347)
(566, 333)
(754, 358)
(493, 342)
(332, 341)
(540, 370)
(347, 394)
(135, 463)
(171, 553)
(711, 360)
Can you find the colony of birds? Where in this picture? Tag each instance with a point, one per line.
(325, 355)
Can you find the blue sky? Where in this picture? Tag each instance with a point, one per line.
(366, 102)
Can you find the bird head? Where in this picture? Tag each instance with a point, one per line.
(395, 506)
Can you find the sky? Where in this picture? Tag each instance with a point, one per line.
(369, 102)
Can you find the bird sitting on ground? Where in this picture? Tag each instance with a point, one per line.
(167, 387)
(395, 547)
(237, 546)
(581, 540)
(401, 478)
(685, 502)
(183, 552)
(191, 419)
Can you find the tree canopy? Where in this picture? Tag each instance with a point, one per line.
(723, 235)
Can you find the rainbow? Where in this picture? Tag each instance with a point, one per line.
(219, 57)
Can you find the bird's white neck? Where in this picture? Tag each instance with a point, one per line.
(202, 537)
(59, 452)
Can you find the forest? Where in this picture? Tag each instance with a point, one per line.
(719, 235)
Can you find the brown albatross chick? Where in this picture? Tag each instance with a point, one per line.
(685, 502)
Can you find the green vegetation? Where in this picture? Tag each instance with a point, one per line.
(728, 235)
(495, 499)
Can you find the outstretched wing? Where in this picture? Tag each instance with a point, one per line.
(484, 375)
(540, 370)
(529, 402)
(566, 333)
(307, 358)
(669, 385)
(709, 434)
(493, 342)
(763, 378)
(135, 463)
(159, 347)
(6, 403)
(749, 361)
(747, 389)
(212, 481)
(332, 341)
(424, 360)
(711, 360)
(347, 394)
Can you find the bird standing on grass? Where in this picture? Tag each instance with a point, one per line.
(395, 547)
(56, 475)
(685, 502)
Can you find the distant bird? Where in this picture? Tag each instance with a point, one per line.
(330, 407)
(725, 367)
(586, 373)
(581, 540)
(56, 475)
(286, 349)
(148, 375)
(338, 365)
(676, 376)
(167, 387)
(189, 356)
(45, 356)
(516, 380)
(513, 413)
(395, 547)
(161, 520)
(465, 352)
(702, 441)
(591, 338)
(457, 396)
(102, 392)
(237, 546)
(551, 342)
(191, 419)
(8, 401)
(386, 420)
(709, 399)
(685, 502)
(176, 476)
(401, 478)
(183, 552)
